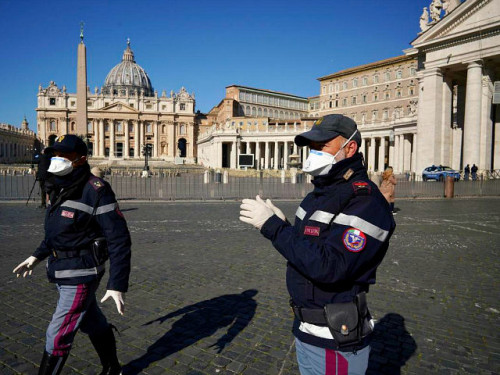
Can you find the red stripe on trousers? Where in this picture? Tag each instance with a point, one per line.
(335, 363)
(70, 320)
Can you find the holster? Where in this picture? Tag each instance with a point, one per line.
(348, 322)
(99, 250)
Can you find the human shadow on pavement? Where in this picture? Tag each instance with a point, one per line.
(391, 346)
(199, 320)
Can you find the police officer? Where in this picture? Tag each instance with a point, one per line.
(340, 236)
(83, 226)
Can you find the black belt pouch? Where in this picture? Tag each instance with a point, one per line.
(99, 249)
(347, 321)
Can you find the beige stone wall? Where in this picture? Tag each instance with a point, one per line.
(16, 144)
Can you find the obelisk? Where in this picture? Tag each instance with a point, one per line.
(81, 88)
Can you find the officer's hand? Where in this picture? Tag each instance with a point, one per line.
(255, 212)
(26, 268)
(275, 209)
(119, 298)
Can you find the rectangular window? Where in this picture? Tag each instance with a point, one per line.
(73, 103)
(149, 127)
(375, 79)
(119, 127)
(344, 102)
(183, 106)
(53, 126)
(354, 100)
(149, 106)
(365, 81)
(355, 82)
(387, 76)
(89, 127)
(52, 101)
(399, 74)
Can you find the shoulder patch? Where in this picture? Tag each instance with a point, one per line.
(361, 188)
(96, 182)
(347, 175)
(354, 240)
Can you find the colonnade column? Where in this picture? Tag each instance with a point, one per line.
(486, 138)
(395, 152)
(496, 145)
(406, 152)
(266, 155)
(276, 155)
(401, 151)
(126, 134)
(101, 138)
(472, 121)
(257, 155)
(381, 154)
(371, 155)
(446, 131)
(414, 153)
(232, 162)
(285, 155)
(141, 137)
(111, 138)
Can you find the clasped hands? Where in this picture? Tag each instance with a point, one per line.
(256, 212)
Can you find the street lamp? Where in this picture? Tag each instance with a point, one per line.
(147, 152)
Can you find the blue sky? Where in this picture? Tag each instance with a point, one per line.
(203, 45)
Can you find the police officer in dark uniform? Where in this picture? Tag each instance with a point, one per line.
(83, 227)
(340, 236)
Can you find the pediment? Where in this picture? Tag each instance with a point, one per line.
(119, 107)
(471, 17)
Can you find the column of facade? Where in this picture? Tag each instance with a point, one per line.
(472, 121)
(111, 138)
(257, 155)
(191, 141)
(381, 154)
(276, 155)
(486, 139)
(219, 154)
(95, 129)
(101, 138)
(285, 155)
(141, 137)
(172, 149)
(155, 139)
(430, 117)
(126, 134)
(371, 154)
(457, 132)
(137, 144)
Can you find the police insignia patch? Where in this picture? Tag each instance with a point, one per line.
(354, 240)
(60, 139)
(318, 121)
(97, 183)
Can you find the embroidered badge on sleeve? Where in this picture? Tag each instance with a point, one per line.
(354, 240)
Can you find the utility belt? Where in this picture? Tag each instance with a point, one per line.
(348, 322)
(98, 249)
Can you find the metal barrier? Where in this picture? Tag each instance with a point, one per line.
(191, 186)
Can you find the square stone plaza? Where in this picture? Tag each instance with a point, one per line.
(207, 293)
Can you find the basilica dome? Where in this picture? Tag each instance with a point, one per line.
(127, 75)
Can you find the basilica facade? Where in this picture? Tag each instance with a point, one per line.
(122, 117)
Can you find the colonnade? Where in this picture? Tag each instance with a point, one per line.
(397, 151)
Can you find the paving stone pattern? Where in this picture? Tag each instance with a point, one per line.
(207, 293)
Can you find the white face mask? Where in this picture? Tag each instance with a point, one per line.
(319, 163)
(60, 166)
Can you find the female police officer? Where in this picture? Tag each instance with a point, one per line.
(83, 226)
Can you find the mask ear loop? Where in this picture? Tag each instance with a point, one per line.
(345, 143)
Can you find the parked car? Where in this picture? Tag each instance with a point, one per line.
(439, 173)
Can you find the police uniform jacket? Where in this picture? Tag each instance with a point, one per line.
(340, 235)
(72, 224)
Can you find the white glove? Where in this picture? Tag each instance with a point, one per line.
(119, 298)
(276, 210)
(255, 212)
(26, 267)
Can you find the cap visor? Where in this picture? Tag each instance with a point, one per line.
(314, 135)
(58, 147)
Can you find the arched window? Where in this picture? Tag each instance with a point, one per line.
(182, 129)
(181, 146)
(73, 126)
(254, 111)
(259, 112)
(265, 112)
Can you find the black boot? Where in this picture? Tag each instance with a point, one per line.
(51, 365)
(105, 346)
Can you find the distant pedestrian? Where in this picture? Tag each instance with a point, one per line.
(466, 172)
(43, 176)
(98, 172)
(387, 187)
(474, 172)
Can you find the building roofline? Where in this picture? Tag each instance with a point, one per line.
(267, 91)
(375, 64)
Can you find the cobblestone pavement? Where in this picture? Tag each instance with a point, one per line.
(207, 293)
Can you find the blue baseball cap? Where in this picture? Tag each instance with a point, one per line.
(328, 127)
(69, 143)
